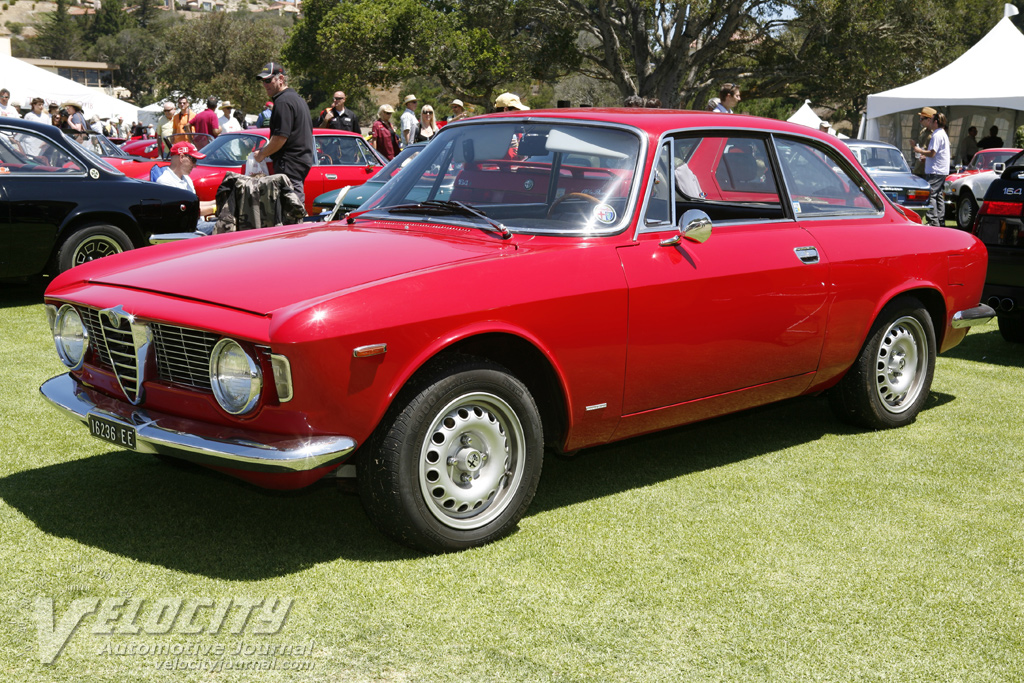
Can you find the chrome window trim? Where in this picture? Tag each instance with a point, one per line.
(765, 135)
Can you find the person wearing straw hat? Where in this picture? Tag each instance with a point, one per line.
(409, 121)
(75, 120)
(228, 123)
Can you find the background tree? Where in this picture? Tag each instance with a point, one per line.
(60, 37)
(139, 54)
(676, 51)
(471, 48)
(220, 54)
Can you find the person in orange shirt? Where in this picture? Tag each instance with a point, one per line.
(183, 120)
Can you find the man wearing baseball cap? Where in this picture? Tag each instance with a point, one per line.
(291, 129)
(184, 156)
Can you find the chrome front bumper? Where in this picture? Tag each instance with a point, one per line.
(979, 315)
(197, 441)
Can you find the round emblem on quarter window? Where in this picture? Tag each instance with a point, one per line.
(528, 185)
(604, 214)
(93, 173)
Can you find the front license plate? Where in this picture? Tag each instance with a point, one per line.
(116, 433)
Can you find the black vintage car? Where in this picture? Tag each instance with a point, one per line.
(61, 205)
(1000, 225)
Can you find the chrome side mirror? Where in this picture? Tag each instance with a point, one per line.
(999, 167)
(695, 225)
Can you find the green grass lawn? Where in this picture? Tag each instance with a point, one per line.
(773, 545)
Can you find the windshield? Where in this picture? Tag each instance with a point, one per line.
(532, 177)
(985, 161)
(96, 143)
(231, 150)
(881, 159)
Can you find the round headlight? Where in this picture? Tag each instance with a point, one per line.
(235, 377)
(71, 337)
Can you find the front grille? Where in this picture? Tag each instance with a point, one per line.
(183, 355)
(111, 337)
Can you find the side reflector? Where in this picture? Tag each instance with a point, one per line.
(369, 350)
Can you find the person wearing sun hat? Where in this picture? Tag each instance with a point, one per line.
(227, 122)
(507, 101)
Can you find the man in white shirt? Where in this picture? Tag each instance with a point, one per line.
(228, 123)
(37, 114)
(184, 156)
(936, 164)
(5, 104)
(409, 121)
(729, 97)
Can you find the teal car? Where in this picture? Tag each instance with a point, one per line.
(342, 200)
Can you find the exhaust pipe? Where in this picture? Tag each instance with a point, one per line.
(1006, 304)
(993, 301)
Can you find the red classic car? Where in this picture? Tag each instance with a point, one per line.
(97, 143)
(532, 280)
(342, 158)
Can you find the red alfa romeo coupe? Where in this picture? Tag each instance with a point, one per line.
(531, 282)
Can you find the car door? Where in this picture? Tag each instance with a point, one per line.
(340, 160)
(36, 198)
(745, 308)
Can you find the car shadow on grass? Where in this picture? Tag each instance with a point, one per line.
(14, 294)
(988, 346)
(194, 520)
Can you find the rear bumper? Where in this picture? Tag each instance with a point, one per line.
(200, 442)
(979, 315)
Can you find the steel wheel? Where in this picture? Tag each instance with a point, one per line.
(901, 364)
(472, 461)
(966, 210)
(457, 460)
(888, 384)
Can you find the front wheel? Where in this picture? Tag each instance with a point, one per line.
(90, 243)
(457, 464)
(888, 384)
(966, 210)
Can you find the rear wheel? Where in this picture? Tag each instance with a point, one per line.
(457, 464)
(1011, 326)
(966, 210)
(89, 243)
(888, 384)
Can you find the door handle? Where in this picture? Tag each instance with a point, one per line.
(807, 254)
(331, 176)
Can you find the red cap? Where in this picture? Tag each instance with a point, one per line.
(187, 148)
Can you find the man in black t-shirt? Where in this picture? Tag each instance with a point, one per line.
(291, 129)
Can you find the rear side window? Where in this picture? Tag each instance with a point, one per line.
(820, 183)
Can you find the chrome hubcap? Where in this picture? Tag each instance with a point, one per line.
(900, 364)
(95, 247)
(472, 460)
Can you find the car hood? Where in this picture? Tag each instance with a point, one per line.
(897, 179)
(261, 271)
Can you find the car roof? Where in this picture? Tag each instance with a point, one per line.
(868, 143)
(655, 121)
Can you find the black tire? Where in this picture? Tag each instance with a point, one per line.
(889, 383)
(966, 211)
(91, 242)
(1011, 326)
(430, 478)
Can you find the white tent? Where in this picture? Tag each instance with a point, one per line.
(26, 81)
(971, 91)
(805, 116)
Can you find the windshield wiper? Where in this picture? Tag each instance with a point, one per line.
(441, 208)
